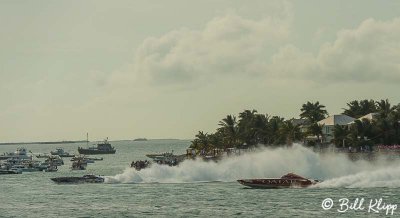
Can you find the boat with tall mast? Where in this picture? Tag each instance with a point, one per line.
(101, 148)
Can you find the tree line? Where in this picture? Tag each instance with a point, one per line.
(251, 128)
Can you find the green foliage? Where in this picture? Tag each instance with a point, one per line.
(358, 109)
(253, 128)
(313, 111)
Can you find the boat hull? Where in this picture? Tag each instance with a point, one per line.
(275, 183)
(94, 152)
(10, 172)
(84, 179)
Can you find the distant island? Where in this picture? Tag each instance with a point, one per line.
(29, 143)
(140, 139)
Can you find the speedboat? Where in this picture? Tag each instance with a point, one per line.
(289, 180)
(82, 179)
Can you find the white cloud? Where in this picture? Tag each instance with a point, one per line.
(231, 45)
(367, 53)
(227, 45)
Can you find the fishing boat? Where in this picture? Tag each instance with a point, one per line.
(20, 153)
(79, 164)
(54, 160)
(86, 159)
(43, 155)
(101, 148)
(289, 180)
(60, 152)
(82, 179)
(51, 168)
(11, 171)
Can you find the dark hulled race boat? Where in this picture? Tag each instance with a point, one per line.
(289, 180)
(83, 179)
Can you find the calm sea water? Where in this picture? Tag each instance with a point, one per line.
(35, 195)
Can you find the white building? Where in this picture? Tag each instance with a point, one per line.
(329, 125)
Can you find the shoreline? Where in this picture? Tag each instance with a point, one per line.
(30, 143)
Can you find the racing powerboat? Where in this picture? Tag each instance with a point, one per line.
(82, 179)
(289, 180)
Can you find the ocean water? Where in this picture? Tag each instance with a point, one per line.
(203, 189)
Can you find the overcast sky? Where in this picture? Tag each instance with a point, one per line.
(166, 69)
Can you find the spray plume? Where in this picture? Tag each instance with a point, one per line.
(334, 168)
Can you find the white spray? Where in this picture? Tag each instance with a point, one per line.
(336, 169)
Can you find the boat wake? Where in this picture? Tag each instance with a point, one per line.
(385, 177)
(335, 169)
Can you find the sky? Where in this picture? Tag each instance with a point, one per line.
(167, 69)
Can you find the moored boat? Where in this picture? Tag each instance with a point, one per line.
(101, 148)
(289, 180)
(79, 164)
(11, 171)
(87, 159)
(60, 152)
(20, 153)
(51, 168)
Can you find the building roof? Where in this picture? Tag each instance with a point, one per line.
(370, 116)
(336, 120)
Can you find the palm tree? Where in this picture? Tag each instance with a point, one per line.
(358, 109)
(340, 135)
(201, 142)
(395, 118)
(274, 125)
(384, 108)
(313, 111)
(367, 106)
(229, 130)
(217, 140)
(316, 129)
(261, 128)
(289, 132)
(246, 127)
(360, 133)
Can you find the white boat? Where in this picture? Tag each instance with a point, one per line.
(10, 171)
(51, 168)
(24, 168)
(60, 152)
(44, 155)
(20, 153)
(86, 159)
(54, 160)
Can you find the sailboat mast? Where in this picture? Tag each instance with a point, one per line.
(87, 139)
